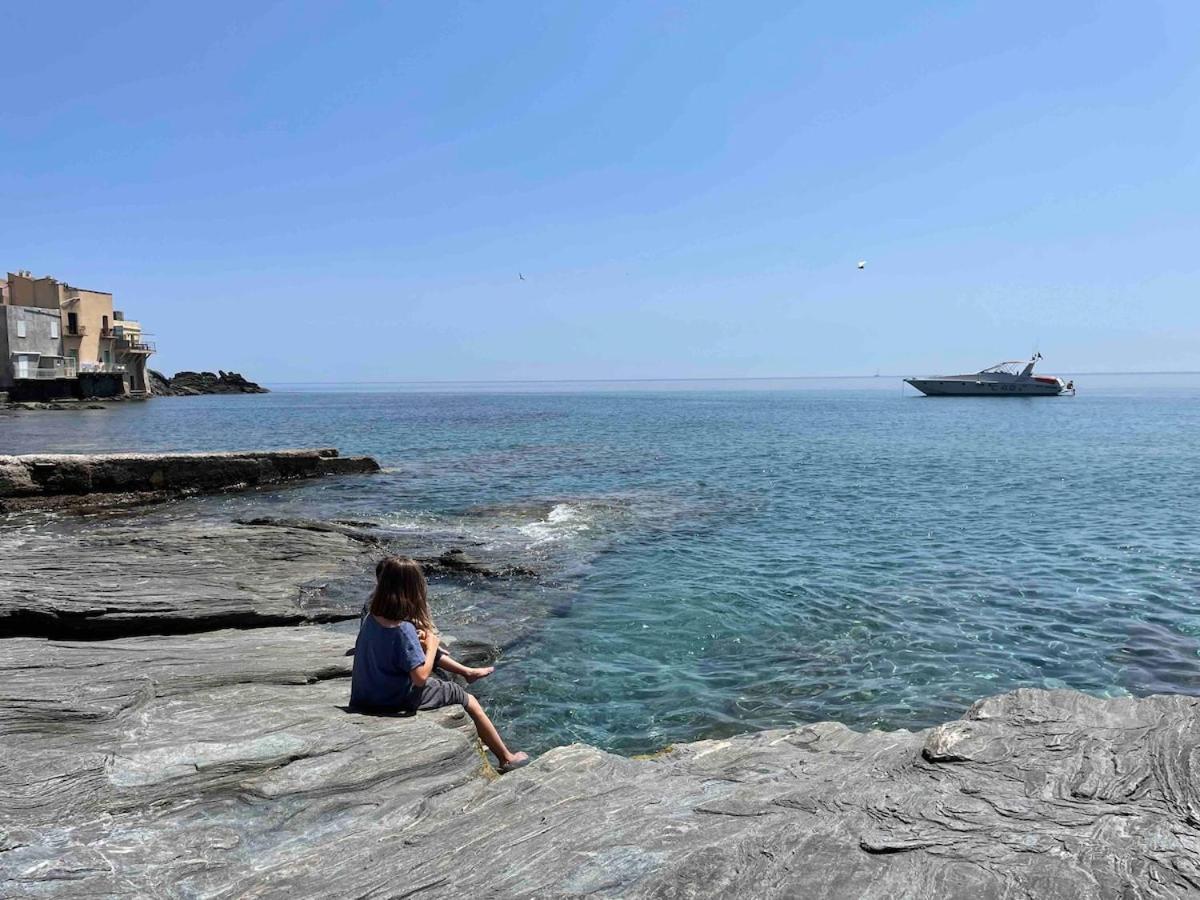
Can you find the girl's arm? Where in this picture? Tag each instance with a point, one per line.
(420, 674)
(440, 656)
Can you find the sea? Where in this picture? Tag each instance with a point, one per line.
(721, 557)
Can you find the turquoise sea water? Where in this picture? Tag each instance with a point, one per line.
(726, 557)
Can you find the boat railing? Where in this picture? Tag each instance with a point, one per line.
(1012, 367)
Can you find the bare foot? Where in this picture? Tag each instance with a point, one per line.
(474, 675)
(516, 761)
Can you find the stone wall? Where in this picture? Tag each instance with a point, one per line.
(100, 384)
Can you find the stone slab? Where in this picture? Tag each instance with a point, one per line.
(117, 576)
(172, 766)
(36, 480)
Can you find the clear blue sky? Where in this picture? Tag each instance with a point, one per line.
(347, 191)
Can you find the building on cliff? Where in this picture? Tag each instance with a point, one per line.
(58, 341)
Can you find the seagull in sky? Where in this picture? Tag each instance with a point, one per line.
(519, 275)
(862, 263)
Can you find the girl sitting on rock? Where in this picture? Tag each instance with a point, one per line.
(397, 651)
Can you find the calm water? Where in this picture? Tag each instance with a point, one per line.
(720, 558)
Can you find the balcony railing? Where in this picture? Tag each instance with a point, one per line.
(89, 368)
(134, 345)
(65, 369)
(77, 331)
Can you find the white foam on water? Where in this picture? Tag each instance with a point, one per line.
(406, 525)
(562, 522)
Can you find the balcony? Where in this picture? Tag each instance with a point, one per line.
(89, 368)
(134, 345)
(77, 331)
(47, 371)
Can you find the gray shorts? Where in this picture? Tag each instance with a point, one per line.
(436, 693)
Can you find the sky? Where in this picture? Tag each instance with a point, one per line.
(345, 192)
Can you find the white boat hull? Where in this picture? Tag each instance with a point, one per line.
(961, 387)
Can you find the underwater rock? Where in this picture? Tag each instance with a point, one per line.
(457, 562)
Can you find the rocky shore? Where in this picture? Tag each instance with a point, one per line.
(147, 748)
(181, 384)
(186, 384)
(64, 403)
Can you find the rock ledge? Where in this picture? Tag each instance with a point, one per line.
(40, 480)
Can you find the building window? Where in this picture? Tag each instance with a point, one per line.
(54, 328)
(72, 323)
(20, 328)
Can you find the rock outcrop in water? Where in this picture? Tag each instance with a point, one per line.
(223, 762)
(454, 561)
(89, 479)
(186, 384)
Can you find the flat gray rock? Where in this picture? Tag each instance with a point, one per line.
(224, 765)
(58, 481)
(1032, 794)
(118, 576)
(176, 766)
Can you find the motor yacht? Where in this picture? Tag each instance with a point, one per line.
(1006, 379)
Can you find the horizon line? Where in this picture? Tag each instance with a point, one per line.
(695, 378)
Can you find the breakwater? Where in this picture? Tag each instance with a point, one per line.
(72, 479)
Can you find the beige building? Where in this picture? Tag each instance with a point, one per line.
(96, 339)
(132, 351)
(22, 289)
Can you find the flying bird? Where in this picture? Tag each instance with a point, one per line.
(519, 275)
(862, 263)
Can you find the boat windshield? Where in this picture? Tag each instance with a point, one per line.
(1005, 368)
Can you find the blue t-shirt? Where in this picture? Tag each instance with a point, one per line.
(383, 657)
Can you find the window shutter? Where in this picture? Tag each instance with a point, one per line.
(20, 328)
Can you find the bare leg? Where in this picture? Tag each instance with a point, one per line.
(457, 668)
(489, 735)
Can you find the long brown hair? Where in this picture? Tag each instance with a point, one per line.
(400, 593)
